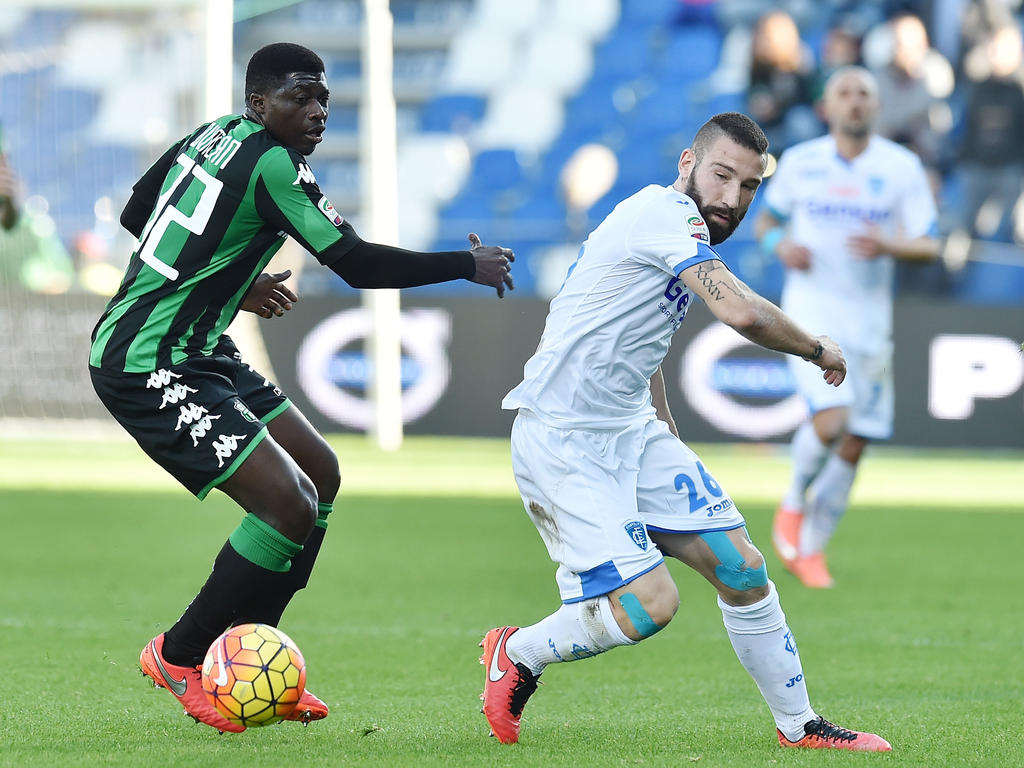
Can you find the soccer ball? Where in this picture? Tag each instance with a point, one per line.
(254, 675)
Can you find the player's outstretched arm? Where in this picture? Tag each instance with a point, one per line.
(370, 265)
(757, 319)
(268, 296)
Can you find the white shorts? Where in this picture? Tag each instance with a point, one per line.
(867, 391)
(595, 494)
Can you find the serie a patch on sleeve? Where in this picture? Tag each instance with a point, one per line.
(698, 228)
(329, 211)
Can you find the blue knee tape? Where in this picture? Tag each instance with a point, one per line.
(733, 571)
(642, 621)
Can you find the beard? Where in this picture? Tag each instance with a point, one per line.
(717, 232)
(856, 130)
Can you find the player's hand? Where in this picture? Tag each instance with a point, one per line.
(831, 361)
(269, 296)
(868, 246)
(493, 265)
(793, 255)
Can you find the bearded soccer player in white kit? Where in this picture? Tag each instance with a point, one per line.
(839, 209)
(598, 459)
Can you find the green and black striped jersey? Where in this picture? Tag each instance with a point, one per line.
(209, 215)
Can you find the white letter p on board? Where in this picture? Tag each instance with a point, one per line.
(963, 368)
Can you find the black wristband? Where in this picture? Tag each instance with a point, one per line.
(818, 352)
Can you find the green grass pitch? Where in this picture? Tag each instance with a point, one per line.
(429, 548)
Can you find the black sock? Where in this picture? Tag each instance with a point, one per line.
(270, 606)
(234, 584)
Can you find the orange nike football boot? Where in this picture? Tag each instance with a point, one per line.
(185, 684)
(821, 734)
(309, 708)
(812, 571)
(786, 534)
(507, 686)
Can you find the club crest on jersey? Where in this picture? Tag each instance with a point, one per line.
(329, 211)
(305, 175)
(637, 533)
(698, 229)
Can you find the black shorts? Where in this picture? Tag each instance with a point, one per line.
(198, 420)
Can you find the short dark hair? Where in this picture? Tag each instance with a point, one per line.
(736, 126)
(271, 63)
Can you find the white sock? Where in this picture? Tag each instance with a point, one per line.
(575, 631)
(767, 650)
(828, 497)
(807, 454)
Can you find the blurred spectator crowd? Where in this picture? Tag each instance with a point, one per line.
(525, 121)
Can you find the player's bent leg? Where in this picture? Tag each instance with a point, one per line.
(314, 456)
(256, 555)
(515, 657)
(272, 486)
(753, 618)
(317, 460)
(828, 499)
(646, 605)
(727, 559)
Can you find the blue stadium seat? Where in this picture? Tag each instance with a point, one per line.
(495, 170)
(541, 217)
(468, 208)
(452, 112)
(646, 161)
(624, 54)
(692, 52)
(648, 12)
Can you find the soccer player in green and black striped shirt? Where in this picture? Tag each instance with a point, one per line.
(209, 215)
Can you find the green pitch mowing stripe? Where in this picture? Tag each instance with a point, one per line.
(432, 466)
(920, 640)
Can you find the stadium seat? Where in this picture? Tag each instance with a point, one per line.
(522, 116)
(452, 112)
(468, 71)
(496, 170)
(590, 18)
(691, 52)
(648, 12)
(624, 54)
(559, 58)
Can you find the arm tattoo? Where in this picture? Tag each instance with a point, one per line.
(711, 285)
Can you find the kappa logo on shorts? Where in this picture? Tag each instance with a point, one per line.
(225, 446)
(199, 418)
(638, 533)
(176, 393)
(161, 378)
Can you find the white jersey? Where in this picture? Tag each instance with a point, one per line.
(825, 200)
(610, 325)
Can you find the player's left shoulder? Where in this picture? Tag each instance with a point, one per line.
(886, 153)
(281, 165)
(684, 214)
